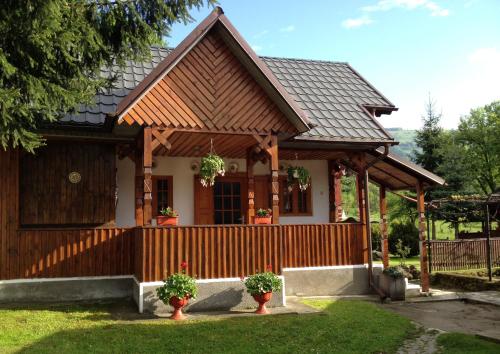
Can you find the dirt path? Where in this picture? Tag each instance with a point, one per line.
(423, 344)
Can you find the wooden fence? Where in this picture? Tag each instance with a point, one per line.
(463, 254)
(73, 253)
(237, 250)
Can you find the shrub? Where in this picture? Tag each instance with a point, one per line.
(408, 234)
(179, 285)
(394, 272)
(262, 283)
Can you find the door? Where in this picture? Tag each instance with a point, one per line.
(224, 203)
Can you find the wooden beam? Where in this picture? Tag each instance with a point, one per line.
(424, 270)
(272, 151)
(148, 185)
(384, 230)
(160, 138)
(139, 184)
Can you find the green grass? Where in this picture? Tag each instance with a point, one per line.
(458, 343)
(395, 261)
(344, 326)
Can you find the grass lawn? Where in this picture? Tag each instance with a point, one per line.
(458, 343)
(345, 326)
(395, 260)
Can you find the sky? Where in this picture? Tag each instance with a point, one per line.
(408, 49)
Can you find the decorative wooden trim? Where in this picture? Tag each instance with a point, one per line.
(147, 166)
(160, 139)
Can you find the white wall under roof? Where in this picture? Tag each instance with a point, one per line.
(183, 182)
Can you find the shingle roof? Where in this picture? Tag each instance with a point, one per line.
(330, 93)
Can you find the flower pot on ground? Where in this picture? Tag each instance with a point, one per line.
(263, 216)
(168, 217)
(261, 286)
(176, 291)
(393, 283)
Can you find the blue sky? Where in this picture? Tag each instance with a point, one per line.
(405, 48)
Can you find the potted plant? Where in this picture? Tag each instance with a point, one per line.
(261, 286)
(168, 217)
(300, 175)
(211, 166)
(177, 290)
(393, 282)
(263, 216)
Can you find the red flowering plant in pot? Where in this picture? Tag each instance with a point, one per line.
(177, 290)
(263, 216)
(261, 286)
(168, 217)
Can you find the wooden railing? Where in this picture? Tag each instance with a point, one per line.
(463, 254)
(74, 253)
(238, 250)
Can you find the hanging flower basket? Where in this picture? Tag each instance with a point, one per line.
(300, 175)
(211, 166)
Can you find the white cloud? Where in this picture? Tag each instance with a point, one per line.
(256, 48)
(356, 22)
(386, 5)
(289, 28)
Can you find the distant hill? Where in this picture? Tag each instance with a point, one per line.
(406, 140)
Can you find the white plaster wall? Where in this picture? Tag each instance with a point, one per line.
(183, 181)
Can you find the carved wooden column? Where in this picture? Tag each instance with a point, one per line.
(148, 185)
(336, 172)
(424, 270)
(272, 151)
(383, 226)
(360, 193)
(251, 188)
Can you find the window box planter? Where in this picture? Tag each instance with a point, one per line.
(263, 220)
(167, 220)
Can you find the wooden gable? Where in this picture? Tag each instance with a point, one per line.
(209, 89)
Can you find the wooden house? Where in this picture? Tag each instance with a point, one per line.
(84, 207)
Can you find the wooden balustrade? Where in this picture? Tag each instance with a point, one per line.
(463, 254)
(73, 253)
(226, 251)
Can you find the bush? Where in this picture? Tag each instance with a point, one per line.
(407, 233)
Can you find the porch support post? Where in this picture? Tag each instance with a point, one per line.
(335, 190)
(251, 189)
(424, 271)
(360, 192)
(148, 185)
(272, 151)
(139, 184)
(383, 226)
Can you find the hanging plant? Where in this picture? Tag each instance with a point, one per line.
(211, 166)
(300, 175)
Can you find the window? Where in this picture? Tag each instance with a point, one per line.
(227, 203)
(162, 193)
(293, 201)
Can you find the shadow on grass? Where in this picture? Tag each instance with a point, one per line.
(349, 326)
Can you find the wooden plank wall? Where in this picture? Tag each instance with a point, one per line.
(463, 254)
(234, 251)
(9, 243)
(74, 253)
(47, 197)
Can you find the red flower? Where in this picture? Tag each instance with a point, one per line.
(242, 278)
(184, 265)
(269, 267)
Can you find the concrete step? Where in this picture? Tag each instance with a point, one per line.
(412, 290)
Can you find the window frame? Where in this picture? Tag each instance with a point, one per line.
(170, 197)
(295, 199)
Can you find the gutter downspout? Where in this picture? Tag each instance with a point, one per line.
(371, 283)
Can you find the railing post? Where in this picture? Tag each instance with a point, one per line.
(383, 226)
(424, 276)
(272, 151)
(251, 189)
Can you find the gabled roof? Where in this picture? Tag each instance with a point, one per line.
(332, 96)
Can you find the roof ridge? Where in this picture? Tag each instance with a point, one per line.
(307, 60)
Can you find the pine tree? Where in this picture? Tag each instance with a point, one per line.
(51, 53)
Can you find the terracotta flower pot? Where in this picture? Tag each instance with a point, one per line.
(178, 304)
(166, 220)
(262, 299)
(263, 220)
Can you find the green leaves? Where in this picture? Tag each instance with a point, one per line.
(262, 283)
(51, 53)
(179, 285)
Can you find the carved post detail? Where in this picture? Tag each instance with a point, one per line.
(139, 184)
(422, 233)
(148, 185)
(383, 226)
(272, 151)
(251, 188)
(336, 172)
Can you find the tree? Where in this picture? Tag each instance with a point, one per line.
(429, 139)
(51, 53)
(479, 137)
